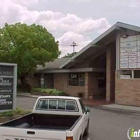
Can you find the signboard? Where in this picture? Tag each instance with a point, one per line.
(130, 52)
(73, 76)
(124, 76)
(8, 82)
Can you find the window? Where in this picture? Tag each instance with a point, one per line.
(101, 81)
(129, 74)
(81, 79)
(42, 104)
(125, 74)
(61, 104)
(71, 105)
(136, 73)
(57, 104)
(52, 104)
(76, 79)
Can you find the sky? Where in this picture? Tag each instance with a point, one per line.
(80, 21)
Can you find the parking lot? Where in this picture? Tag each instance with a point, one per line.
(104, 125)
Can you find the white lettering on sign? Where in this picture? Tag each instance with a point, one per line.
(73, 76)
(5, 72)
(5, 91)
(2, 100)
(5, 96)
(5, 102)
(124, 76)
(4, 82)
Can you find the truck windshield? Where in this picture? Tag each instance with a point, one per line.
(57, 104)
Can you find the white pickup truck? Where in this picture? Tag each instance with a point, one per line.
(52, 118)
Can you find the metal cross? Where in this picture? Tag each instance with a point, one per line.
(73, 45)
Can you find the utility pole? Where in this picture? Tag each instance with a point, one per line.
(73, 45)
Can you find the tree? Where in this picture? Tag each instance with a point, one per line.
(69, 55)
(28, 46)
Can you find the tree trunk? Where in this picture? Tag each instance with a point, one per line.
(23, 81)
(25, 86)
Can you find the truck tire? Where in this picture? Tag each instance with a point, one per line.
(86, 130)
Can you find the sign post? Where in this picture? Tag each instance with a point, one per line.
(8, 86)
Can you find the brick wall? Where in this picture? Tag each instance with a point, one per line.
(87, 85)
(60, 83)
(110, 72)
(127, 92)
(93, 83)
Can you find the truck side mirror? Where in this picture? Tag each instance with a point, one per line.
(87, 110)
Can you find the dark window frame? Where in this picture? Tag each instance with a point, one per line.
(76, 79)
(136, 74)
(125, 72)
(101, 81)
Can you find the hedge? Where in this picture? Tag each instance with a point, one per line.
(50, 91)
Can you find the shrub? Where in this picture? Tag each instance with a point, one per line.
(12, 113)
(50, 91)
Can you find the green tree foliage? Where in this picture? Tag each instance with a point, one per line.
(69, 55)
(28, 46)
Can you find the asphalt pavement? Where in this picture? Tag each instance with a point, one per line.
(26, 103)
(104, 125)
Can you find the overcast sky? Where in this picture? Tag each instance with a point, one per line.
(71, 20)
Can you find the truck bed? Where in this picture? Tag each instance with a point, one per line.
(44, 121)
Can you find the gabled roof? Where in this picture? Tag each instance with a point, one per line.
(53, 64)
(115, 27)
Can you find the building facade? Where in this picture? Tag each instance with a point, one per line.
(107, 68)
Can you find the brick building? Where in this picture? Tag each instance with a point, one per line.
(107, 68)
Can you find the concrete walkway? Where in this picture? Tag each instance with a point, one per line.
(101, 104)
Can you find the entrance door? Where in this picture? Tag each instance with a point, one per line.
(49, 81)
(102, 85)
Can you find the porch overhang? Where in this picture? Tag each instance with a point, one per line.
(72, 70)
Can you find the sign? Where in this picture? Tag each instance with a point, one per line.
(124, 76)
(8, 81)
(132, 133)
(73, 76)
(130, 52)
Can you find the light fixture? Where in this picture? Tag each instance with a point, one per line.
(125, 36)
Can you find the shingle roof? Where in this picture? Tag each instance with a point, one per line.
(53, 64)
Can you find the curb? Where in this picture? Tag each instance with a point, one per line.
(30, 96)
(118, 110)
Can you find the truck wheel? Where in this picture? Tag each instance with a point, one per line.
(86, 130)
